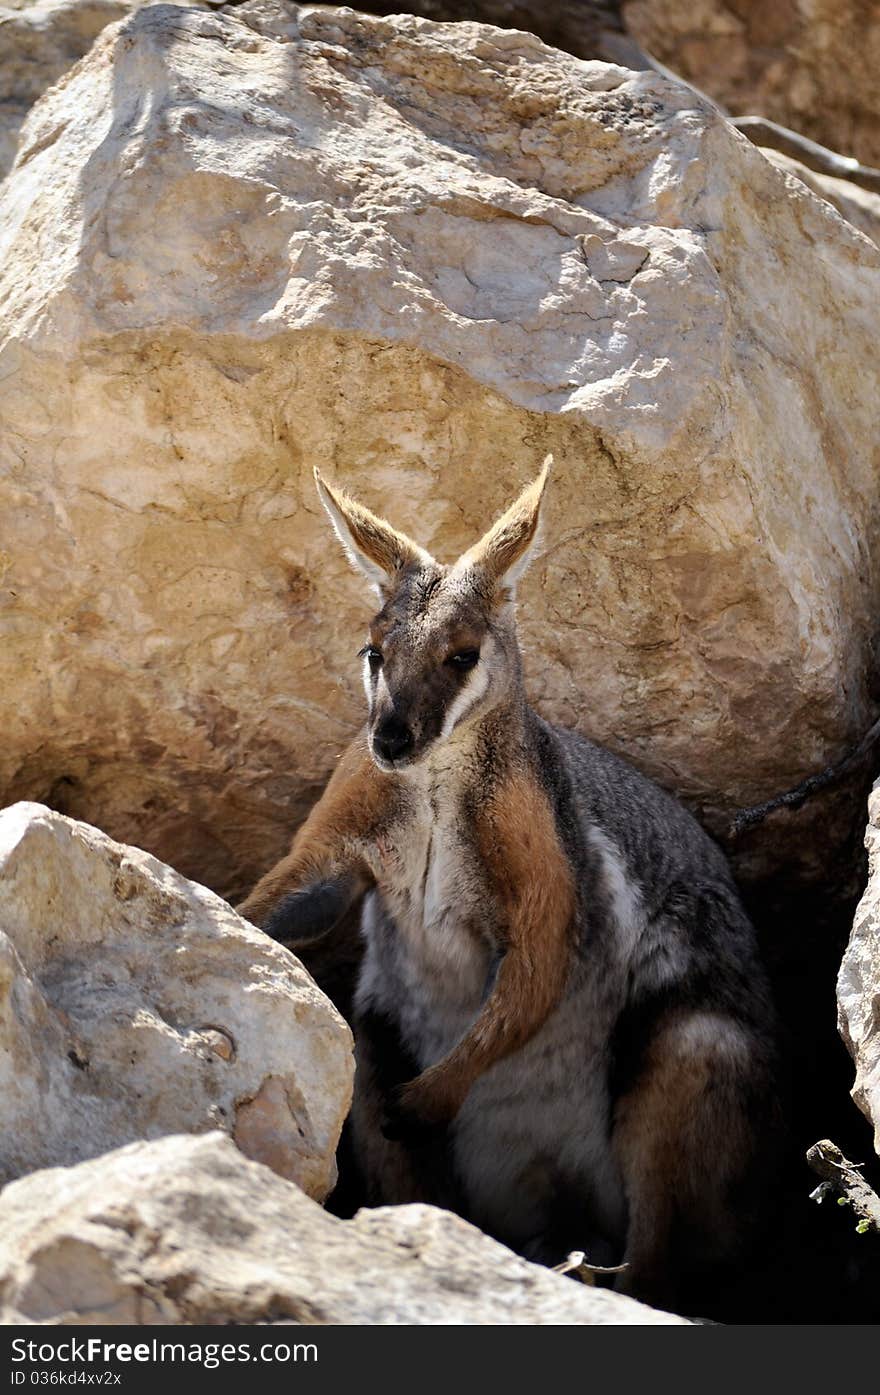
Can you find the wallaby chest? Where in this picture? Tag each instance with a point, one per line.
(431, 935)
(430, 877)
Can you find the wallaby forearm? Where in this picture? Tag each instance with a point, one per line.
(312, 911)
(512, 1015)
(314, 890)
(325, 870)
(531, 877)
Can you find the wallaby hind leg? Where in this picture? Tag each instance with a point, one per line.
(685, 1134)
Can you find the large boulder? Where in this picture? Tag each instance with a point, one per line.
(419, 256)
(134, 1004)
(186, 1230)
(858, 983)
(809, 64)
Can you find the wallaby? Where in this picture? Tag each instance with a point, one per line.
(554, 950)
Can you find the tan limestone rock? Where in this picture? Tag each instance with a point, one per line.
(39, 41)
(186, 1230)
(134, 1004)
(858, 206)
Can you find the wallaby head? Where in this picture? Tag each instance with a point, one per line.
(442, 651)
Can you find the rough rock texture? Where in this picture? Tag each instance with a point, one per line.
(186, 1230)
(41, 39)
(586, 28)
(38, 42)
(857, 205)
(809, 64)
(134, 1004)
(858, 984)
(420, 257)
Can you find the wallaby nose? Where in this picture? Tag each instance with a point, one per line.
(392, 739)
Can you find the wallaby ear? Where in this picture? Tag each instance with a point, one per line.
(505, 551)
(375, 548)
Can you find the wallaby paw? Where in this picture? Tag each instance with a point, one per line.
(403, 1124)
(414, 1115)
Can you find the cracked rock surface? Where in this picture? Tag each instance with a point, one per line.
(186, 1230)
(135, 1004)
(419, 256)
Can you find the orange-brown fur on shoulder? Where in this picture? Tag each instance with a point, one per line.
(355, 804)
(530, 875)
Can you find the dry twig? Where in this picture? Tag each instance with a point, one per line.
(827, 1161)
(578, 1265)
(814, 784)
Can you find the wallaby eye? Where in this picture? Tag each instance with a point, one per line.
(374, 657)
(464, 659)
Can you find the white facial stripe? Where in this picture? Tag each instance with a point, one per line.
(473, 689)
(381, 685)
